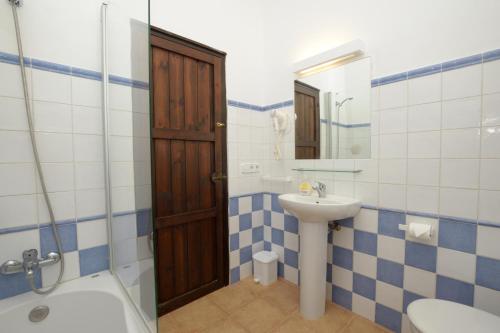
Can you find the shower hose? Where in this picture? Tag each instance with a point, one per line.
(30, 277)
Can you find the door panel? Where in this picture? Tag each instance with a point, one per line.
(190, 208)
(307, 124)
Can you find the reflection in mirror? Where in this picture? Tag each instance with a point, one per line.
(332, 110)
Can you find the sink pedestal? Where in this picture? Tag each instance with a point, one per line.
(313, 214)
(313, 248)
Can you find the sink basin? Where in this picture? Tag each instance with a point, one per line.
(314, 213)
(308, 208)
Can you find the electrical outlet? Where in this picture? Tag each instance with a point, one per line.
(249, 168)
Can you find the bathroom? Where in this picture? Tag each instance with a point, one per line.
(249, 166)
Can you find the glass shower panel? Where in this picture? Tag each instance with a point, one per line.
(129, 154)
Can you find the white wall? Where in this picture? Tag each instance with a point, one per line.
(399, 35)
(232, 26)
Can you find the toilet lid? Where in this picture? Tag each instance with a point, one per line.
(438, 316)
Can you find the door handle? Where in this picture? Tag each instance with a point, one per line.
(220, 124)
(218, 177)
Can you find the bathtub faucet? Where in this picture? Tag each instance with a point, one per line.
(30, 263)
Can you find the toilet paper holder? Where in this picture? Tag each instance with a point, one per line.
(406, 228)
(403, 227)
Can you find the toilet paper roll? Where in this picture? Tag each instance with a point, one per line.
(420, 230)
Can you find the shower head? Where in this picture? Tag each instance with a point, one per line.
(339, 104)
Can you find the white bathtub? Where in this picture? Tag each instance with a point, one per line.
(88, 304)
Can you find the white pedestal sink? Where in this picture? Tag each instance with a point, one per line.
(313, 214)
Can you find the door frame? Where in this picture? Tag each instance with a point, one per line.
(156, 33)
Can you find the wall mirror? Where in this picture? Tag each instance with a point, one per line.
(332, 111)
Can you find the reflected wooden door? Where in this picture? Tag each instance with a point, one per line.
(189, 168)
(307, 123)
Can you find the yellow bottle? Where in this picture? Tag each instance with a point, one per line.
(305, 188)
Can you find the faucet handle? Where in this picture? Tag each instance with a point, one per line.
(11, 267)
(30, 255)
(319, 186)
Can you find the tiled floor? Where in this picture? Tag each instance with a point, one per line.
(249, 307)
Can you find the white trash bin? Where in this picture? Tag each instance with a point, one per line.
(265, 267)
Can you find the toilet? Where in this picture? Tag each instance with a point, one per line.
(440, 316)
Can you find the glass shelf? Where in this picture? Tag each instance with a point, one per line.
(328, 170)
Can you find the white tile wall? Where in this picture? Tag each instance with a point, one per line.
(460, 265)
(424, 117)
(425, 89)
(462, 113)
(460, 143)
(17, 211)
(491, 110)
(92, 233)
(71, 270)
(419, 281)
(435, 147)
(389, 295)
(463, 82)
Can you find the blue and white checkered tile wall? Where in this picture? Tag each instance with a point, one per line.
(84, 242)
(373, 268)
(246, 233)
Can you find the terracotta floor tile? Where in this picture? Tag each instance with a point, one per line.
(198, 315)
(232, 297)
(255, 288)
(166, 324)
(227, 326)
(259, 316)
(247, 307)
(362, 325)
(334, 320)
(284, 295)
(294, 324)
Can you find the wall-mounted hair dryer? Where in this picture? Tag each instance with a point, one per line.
(281, 125)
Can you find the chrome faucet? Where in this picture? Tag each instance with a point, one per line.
(320, 188)
(30, 263)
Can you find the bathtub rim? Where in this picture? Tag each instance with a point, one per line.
(103, 282)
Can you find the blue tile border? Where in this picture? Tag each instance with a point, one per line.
(438, 68)
(423, 71)
(48, 66)
(393, 78)
(254, 107)
(13, 59)
(10, 230)
(462, 62)
(491, 55)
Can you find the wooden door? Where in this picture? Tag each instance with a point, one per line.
(189, 164)
(307, 123)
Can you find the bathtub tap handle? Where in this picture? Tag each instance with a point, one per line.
(52, 258)
(11, 267)
(30, 263)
